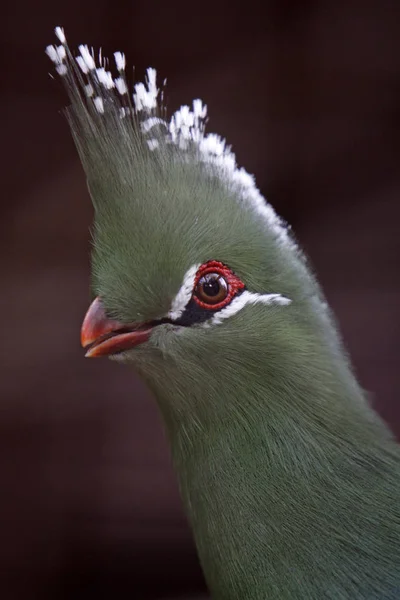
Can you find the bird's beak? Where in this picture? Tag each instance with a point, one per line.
(102, 336)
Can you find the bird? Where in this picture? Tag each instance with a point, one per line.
(289, 478)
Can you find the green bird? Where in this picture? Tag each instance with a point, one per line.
(289, 478)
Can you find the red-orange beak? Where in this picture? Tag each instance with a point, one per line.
(102, 336)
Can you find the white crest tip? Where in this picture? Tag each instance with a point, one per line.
(87, 57)
(52, 53)
(98, 102)
(153, 144)
(61, 70)
(59, 31)
(105, 78)
(120, 61)
(121, 86)
(82, 65)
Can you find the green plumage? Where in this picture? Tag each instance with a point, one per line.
(289, 478)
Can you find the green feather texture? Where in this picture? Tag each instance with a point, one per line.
(289, 478)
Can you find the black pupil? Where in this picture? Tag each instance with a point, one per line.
(211, 286)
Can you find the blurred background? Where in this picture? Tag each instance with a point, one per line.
(308, 94)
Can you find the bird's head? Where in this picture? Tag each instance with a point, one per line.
(196, 280)
(198, 284)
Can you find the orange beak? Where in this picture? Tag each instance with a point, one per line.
(101, 336)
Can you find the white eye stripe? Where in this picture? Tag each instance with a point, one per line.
(185, 293)
(243, 300)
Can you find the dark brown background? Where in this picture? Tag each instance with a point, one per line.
(308, 93)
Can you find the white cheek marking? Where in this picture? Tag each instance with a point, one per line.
(185, 293)
(241, 301)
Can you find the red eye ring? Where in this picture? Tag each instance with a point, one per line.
(233, 284)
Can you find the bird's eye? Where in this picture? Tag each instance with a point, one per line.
(211, 289)
(215, 286)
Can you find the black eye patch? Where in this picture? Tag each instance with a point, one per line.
(194, 314)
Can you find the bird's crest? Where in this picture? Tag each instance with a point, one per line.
(106, 119)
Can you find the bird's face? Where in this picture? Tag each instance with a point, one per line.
(194, 284)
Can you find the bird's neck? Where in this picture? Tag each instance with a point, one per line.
(279, 500)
